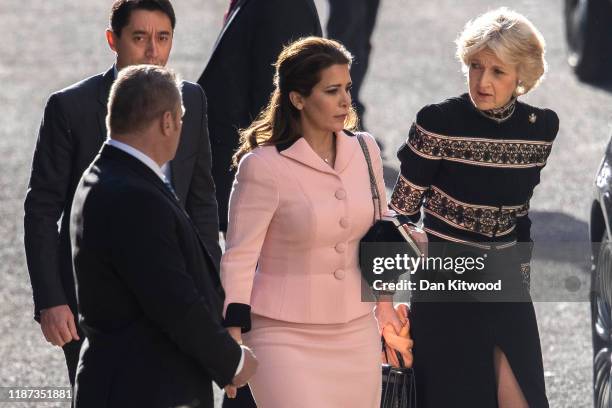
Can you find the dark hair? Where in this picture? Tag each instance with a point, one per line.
(122, 10)
(298, 68)
(141, 94)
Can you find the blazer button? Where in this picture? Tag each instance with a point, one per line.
(340, 194)
(344, 222)
(339, 274)
(340, 247)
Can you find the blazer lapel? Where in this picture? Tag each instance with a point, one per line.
(229, 21)
(313, 9)
(103, 91)
(346, 147)
(300, 151)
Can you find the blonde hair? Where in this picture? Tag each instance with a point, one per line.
(512, 38)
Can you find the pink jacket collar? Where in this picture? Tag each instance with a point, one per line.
(346, 146)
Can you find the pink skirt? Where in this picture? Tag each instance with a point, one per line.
(316, 365)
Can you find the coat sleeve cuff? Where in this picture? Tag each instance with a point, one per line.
(45, 302)
(238, 315)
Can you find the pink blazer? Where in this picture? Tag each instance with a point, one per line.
(294, 229)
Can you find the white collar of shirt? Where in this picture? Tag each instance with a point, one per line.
(138, 155)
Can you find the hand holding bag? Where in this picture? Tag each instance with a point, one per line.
(398, 342)
(399, 389)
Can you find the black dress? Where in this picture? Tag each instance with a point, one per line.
(473, 174)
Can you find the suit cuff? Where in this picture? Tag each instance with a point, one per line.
(48, 302)
(240, 363)
(238, 315)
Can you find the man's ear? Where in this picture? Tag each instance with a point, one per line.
(111, 39)
(167, 123)
(297, 100)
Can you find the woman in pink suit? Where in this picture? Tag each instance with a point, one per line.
(300, 204)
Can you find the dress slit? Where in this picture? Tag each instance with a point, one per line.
(515, 378)
(522, 352)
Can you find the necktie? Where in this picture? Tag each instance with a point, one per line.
(169, 187)
(229, 10)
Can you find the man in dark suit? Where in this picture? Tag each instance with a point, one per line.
(149, 295)
(72, 132)
(238, 78)
(352, 23)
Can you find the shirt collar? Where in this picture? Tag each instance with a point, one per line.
(138, 155)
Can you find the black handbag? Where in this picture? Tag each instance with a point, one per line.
(398, 384)
(385, 230)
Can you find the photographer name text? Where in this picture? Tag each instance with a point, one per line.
(449, 285)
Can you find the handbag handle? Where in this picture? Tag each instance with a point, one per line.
(373, 184)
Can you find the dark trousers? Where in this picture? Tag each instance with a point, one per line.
(244, 399)
(71, 352)
(352, 23)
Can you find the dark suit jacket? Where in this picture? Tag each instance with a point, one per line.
(71, 133)
(150, 298)
(238, 78)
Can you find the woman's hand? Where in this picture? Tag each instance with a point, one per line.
(231, 391)
(418, 235)
(399, 341)
(402, 310)
(386, 315)
(236, 333)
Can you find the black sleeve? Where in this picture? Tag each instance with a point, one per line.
(552, 125)
(238, 315)
(419, 166)
(149, 258)
(44, 204)
(201, 201)
(523, 222)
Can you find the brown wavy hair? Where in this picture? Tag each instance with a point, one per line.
(298, 68)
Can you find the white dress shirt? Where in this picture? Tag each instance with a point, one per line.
(132, 151)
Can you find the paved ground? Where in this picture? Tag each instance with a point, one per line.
(48, 45)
